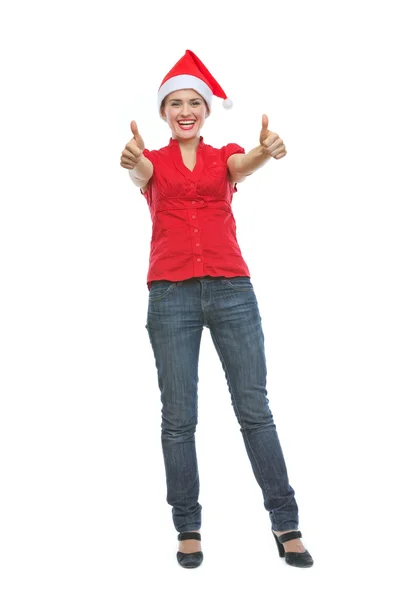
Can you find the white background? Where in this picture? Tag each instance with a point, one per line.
(83, 510)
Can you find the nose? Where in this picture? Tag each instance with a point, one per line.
(186, 110)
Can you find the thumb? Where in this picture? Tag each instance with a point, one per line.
(134, 128)
(264, 124)
(136, 135)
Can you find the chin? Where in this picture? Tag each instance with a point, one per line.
(188, 135)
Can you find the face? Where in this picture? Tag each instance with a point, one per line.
(182, 106)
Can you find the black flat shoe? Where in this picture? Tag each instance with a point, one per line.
(189, 560)
(295, 559)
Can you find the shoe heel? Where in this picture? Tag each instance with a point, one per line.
(281, 548)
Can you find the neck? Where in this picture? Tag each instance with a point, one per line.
(189, 144)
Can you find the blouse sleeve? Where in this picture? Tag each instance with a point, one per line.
(229, 149)
(151, 155)
(226, 152)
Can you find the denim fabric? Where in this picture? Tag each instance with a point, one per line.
(177, 313)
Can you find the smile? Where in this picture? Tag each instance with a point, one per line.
(186, 124)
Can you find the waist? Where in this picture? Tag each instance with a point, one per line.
(185, 202)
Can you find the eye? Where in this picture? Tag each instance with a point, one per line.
(195, 103)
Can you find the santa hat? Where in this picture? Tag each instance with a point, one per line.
(190, 73)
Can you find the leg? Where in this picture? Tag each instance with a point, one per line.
(236, 331)
(175, 330)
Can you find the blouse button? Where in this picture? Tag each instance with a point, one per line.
(193, 201)
(192, 184)
(199, 260)
(196, 230)
(193, 216)
(197, 244)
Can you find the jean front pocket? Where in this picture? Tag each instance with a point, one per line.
(240, 284)
(161, 289)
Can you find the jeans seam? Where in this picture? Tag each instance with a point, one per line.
(240, 418)
(164, 295)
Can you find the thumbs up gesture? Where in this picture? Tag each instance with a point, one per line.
(133, 150)
(271, 143)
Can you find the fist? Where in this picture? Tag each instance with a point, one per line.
(271, 143)
(133, 151)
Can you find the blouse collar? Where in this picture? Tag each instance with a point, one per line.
(175, 142)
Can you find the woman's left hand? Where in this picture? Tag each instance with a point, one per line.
(271, 143)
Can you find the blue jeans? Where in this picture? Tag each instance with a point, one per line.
(177, 313)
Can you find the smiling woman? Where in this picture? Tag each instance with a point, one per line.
(198, 278)
(185, 114)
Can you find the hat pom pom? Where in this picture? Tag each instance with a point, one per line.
(227, 103)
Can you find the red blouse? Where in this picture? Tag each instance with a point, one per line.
(194, 230)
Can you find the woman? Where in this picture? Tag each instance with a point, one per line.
(197, 277)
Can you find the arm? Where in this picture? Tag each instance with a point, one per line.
(142, 173)
(241, 166)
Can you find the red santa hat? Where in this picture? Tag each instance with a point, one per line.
(190, 73)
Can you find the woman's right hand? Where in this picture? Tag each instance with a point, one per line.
(133, 151)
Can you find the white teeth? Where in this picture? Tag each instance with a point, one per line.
(185, 122)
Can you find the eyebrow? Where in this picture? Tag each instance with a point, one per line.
(179, 99)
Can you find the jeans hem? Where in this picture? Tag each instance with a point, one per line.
(286, 526)
(192, 527)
